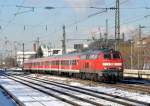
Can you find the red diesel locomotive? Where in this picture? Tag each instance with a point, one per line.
(101, 65)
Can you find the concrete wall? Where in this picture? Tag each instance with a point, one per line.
(145, 74)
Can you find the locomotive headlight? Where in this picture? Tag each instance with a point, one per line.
(120, 68)
(106, 64)
(118, 64)
(105, 68)
(112, 64)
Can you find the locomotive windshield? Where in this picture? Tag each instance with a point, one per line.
(107, 55)
(116, 55)
(113, 55)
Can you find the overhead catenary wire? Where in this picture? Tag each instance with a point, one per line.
(79, 21)
(11, 20)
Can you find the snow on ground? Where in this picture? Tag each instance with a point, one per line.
(5, 100)
(109, 90)
(58, 79)
(32, 97)
(123, 93)
(29, 96)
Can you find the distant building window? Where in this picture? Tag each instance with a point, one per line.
(56, 51)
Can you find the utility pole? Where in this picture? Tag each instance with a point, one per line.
(131, 58)
(22, 55)
(15, 52)
(140, 31)
(123, 36)
(50, 47)
(117, 24)
(106, 33)
(38, 42)
(100, 34)
(139, 41)
(140, 45)
(64, 40)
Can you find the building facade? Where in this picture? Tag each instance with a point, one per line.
(26, 55)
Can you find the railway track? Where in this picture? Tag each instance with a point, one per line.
(82, 91)
(68, 98)
(134, 87)
(142, 88)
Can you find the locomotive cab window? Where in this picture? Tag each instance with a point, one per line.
(107, 55)
(116, 55)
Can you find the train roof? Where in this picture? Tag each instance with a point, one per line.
(73, 55)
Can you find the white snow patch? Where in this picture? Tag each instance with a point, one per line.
(29, 96)
(115, 91)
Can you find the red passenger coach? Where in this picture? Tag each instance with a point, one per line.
(104, 65)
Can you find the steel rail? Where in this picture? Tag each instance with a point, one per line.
(98, 92)
(61, 92)
(109, 98)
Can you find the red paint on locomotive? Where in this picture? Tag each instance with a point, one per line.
(101, 63)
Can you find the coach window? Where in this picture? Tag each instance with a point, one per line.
(46, 63)
(57, 62)
(67, 62)
(49, 63)
(54, 62)
(88, 56)
(73, 62)
(63, 62)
